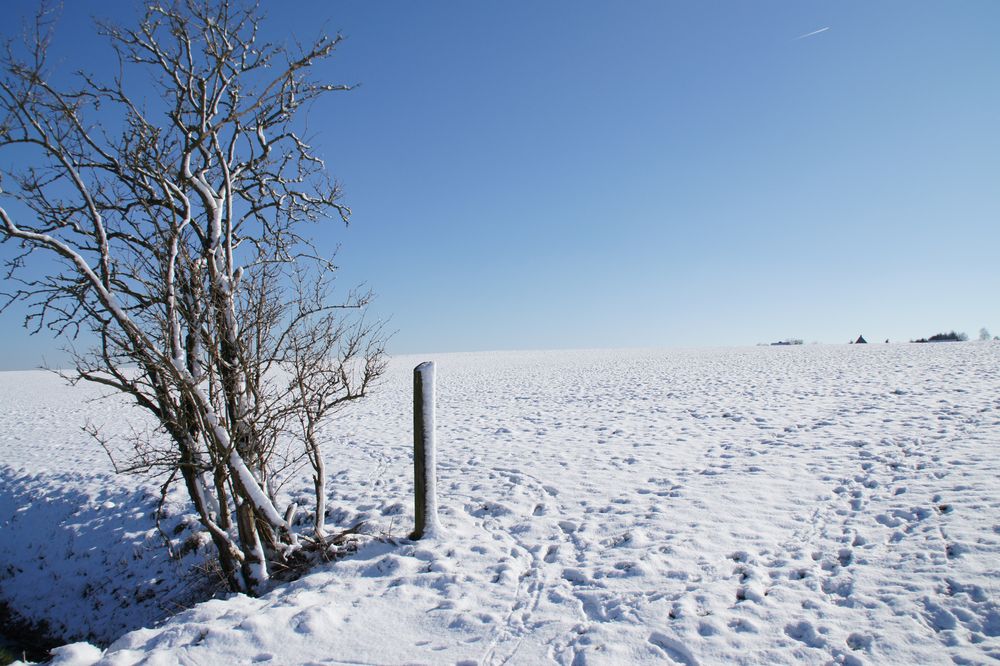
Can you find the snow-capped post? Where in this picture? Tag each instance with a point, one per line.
(424, 454)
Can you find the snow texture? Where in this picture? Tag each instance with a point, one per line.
(807, 504)
(75, 654)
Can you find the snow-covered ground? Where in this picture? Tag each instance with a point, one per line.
(807, 504)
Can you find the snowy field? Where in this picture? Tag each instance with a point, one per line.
(815, 504)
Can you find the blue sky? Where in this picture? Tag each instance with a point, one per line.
(597, 174)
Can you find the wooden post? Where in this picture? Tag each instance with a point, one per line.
(424, 454)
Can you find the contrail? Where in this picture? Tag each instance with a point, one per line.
(810, 34)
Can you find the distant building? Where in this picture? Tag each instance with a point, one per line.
(861, 340)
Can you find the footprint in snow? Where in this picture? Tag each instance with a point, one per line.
(939, 617)
(575, 576)
(672, 648)
(743, 626)
(806, 633)
(567, 526)
(858, 641)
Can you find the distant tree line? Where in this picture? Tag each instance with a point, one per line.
(945, 337)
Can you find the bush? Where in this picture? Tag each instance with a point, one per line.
(945, 337)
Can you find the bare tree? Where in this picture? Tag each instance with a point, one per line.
(177, 222)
